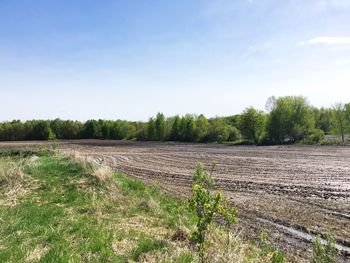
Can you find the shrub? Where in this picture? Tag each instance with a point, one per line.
(206, 206)
(314, 137)
(234, 134)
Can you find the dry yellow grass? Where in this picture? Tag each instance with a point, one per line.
(13, 181)
(11, 172)
(36, 254)
(102, 172)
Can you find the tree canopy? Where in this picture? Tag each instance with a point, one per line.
(288, 119)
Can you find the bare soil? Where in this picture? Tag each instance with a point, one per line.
(306, 188)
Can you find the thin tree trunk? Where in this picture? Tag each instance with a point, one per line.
(342, 132)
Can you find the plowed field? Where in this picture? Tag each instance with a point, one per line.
(292, 192)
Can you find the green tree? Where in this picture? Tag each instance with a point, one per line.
(41, 131)
(323, 119)
(222, 133)
(141, 131)
(116, 130)
(347, 113)
(219, 130)
(128, 130)
(92, 129)
(291, 119)
(175, 129)
(151, 130)
(339, 118)
(66, 129)
(11, 131)
(202, 128)
(252, 124)
(160, 127)
(232, 120)
(106, 129)
(233, 134)
(187, 128)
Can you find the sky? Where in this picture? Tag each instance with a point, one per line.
(113, 59)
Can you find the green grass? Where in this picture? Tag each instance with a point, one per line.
(147, 245)
(42, 220)
(68, 211)
(62, 213)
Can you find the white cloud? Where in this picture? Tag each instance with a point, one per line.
(334, 3)
(327, 41)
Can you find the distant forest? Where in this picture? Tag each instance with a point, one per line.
(287, 119)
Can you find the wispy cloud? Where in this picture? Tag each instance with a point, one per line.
(334, 3)
(327, 41)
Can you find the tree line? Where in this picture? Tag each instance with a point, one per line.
(287, 119)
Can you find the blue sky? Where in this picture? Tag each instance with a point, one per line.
(115, 59)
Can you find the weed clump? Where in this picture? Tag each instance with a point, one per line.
(268, 248)
(102, 173)
(324, 253)
(10, 173)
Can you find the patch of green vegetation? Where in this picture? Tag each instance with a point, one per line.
(324, 253)
(147, 245)
(67, 214)
(23, 152)
(267, 248)
(152, 201)
(54, 218)
(185, 257)
(128, 185)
